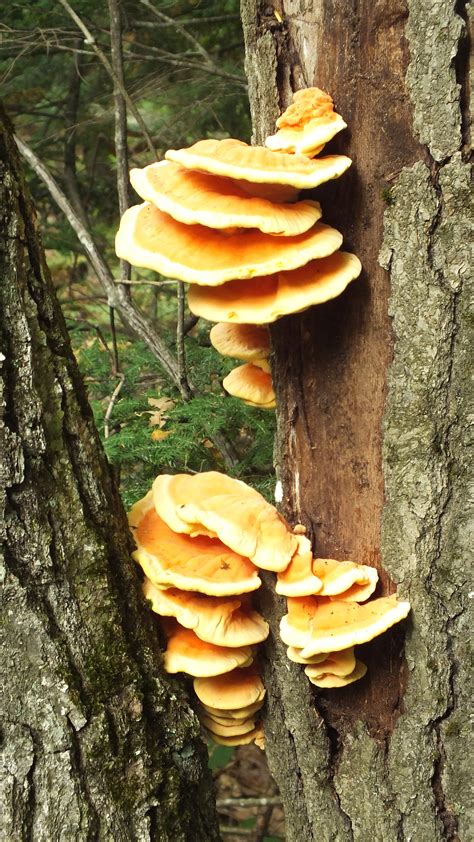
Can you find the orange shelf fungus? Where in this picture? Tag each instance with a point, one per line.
(252, 384)
(256, 165)
(202, 564)
(196, 198)
(219, 620)
(186, 652)
(228, 508)
(268, 298)
(319, 624)
(149, 238)
(330, 681)
(248, 343)
(226, 218)
(197, 584)
(307, 124)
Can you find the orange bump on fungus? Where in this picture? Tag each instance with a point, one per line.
(330, 680)
(198, 198)
(299, 578)
(258, 165)
(252, 385)
(186, 652)
(200, 564)
(319, 624)
(266, 299)
(244, 342)
(149, 238)
(353, 582)
(307, 124)
(240, 517)
(235, 690)
(219, 620)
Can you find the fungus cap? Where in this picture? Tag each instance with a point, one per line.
(251, 384)
(258, 165)
(299, 579)
(244, 342)
(319, 624)
(227, 730)
(329, 680)
(186, 652)
(353, 582)
(256, 736)
(149, 238)
(219, 620)
(233, 713)
(233, 691)
(335, 663)
(294, 654)
(201, 564)
(196, 198)
(266, 299)
(230, 509)
(307, 124)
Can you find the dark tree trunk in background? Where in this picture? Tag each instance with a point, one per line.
(372, 415)
(98, 744)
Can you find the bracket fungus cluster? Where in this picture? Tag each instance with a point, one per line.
(326, 619)
(201, 540)
(227, 218)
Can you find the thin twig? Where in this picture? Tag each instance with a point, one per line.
(144, 282)
(112, 401)
(120, 122)
(235, 831)
(179, 28)
(90, 41)
(113, 333)
(180, 350)
(262, 801)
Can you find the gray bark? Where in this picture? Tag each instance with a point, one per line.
(98, 744)
(372, 407)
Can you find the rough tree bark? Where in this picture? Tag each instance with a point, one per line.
(98, 744)
(372, 413)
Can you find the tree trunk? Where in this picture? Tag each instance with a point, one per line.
(372, 415)
(98, 743)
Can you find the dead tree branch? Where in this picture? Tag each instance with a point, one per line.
(116, 294)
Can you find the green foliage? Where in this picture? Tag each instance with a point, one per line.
(192, 428)
(219, 756)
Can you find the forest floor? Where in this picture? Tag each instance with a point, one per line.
(246, 775)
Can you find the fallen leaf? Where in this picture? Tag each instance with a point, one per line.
(159, 435)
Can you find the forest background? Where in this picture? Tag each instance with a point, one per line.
(183, 70)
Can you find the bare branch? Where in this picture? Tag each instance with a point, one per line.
(120, 106)
(263, 801)
(113, 398)
(180, 350)
(116, 294)
(90, 41)
(179, 28)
